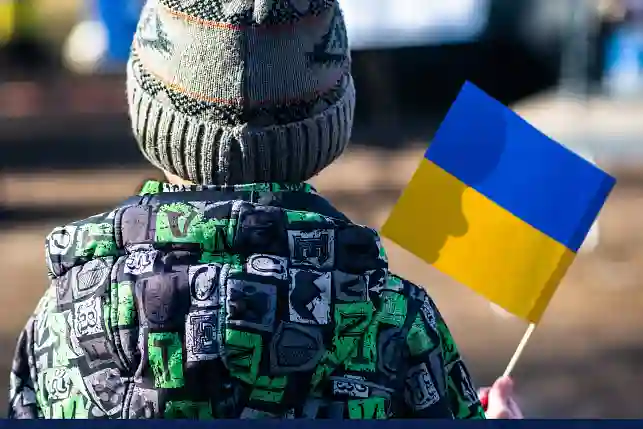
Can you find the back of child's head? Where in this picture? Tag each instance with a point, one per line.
(231, 92)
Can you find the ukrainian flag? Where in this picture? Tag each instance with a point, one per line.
(498, 206)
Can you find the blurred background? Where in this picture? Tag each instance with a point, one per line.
(573, 68)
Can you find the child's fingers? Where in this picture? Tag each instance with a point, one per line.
(500, 400)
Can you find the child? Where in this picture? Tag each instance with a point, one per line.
(235, 290)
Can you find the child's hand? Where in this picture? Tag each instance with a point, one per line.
(498, 401)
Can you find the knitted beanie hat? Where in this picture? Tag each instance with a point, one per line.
(241, 91)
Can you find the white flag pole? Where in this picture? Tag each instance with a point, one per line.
(519, 349)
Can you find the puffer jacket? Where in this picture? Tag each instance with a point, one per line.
(252, 301)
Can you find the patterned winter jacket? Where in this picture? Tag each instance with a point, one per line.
(253, 301)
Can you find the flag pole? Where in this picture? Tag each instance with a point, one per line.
(519, 349)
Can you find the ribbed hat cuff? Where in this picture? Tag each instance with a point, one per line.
(207, 153)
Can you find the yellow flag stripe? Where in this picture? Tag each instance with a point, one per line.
(478, 243)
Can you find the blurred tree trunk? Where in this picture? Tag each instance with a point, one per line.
(380, 80)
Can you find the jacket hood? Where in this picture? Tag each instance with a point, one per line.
(246, 284)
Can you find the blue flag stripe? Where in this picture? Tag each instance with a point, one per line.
(491, 149)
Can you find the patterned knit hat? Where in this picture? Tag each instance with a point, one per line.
(241, 91)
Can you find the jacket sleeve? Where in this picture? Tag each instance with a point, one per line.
(23, 384)
(462, 394)
(437, 383)
(22, 392)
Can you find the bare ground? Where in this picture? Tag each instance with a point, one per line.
(584, 361)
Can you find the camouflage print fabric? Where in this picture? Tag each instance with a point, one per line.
(254, 301)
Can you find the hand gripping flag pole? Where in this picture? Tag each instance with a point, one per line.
(499, 207)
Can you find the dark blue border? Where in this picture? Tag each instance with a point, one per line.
(326, 424)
